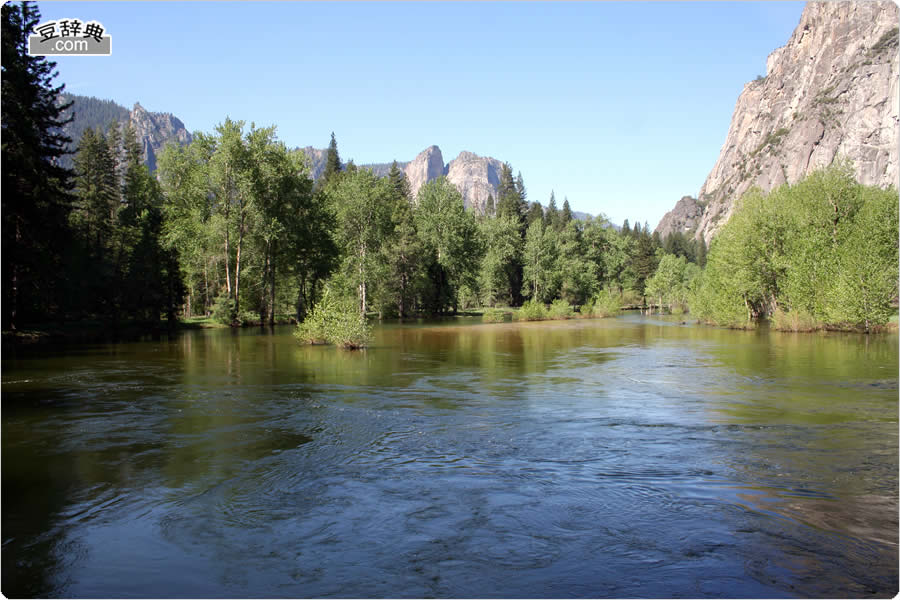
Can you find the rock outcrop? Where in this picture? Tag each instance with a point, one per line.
(428, 165)
(155, 130)
(684, 218)
(830, 92)
(476, 178)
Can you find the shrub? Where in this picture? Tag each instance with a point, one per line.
(604, 304)
(495, 315)
(794, 320)
(223, 309)
(531, 311)
(336, 322)
(560, 309)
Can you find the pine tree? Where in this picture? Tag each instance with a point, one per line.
(566, 214)
(35, 200)
(553, 213)
(332, 164)
(535, 213)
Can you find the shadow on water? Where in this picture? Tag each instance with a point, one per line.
(620, 457)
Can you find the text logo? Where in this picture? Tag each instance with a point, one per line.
(70, 37)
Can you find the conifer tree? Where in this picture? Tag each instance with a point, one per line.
(566, 214)
(332, 164)
(553, 212)
(35, 200)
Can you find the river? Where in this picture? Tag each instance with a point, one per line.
(626, 457)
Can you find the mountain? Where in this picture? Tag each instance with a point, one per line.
(476, 177)
(154, 130)
(830, 92)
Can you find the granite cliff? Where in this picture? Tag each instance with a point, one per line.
(830, 92)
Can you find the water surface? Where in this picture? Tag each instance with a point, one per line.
(633, 457)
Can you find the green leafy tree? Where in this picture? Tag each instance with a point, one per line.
(362, 205)
(539, 258)
(577, 277)
(502, 245)
(449, 235)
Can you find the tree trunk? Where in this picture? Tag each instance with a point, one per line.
(272, 285)
(237, 269)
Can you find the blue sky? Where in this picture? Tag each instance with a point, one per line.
(620, 106)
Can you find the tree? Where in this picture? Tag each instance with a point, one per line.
(332, 164)
(576, 276)
(502, 244)
(402, 250)
(643, 261)
(566, 214)
(449, 236)
(539, 260)
(553, 217)
(535, 213)
(362, 205)
(36, 201)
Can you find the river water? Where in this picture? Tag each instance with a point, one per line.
(627, 457)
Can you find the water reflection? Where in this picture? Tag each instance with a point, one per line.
(620, 457)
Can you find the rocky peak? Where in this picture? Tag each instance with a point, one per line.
(830, 92)
(428, 165)
(155, 130)
(476, 178)
(684, 218)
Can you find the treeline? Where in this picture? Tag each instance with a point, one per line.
(233, 227)
(822, 253)
(75, 244)
(257, 237)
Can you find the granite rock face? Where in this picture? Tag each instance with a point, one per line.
(685, 217)
(428, 165)
(476, 178)
(155, 130)
(831, 92)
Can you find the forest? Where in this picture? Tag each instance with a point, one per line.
(232, 227)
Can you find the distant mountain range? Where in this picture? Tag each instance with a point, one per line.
(476, 177)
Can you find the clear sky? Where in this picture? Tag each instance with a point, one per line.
(620, 106)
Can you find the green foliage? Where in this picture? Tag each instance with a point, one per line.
(822, 252)
(335, 321)
(795, 320)
(36, 199)
(495, 315)
(502, 246)
(223, 309)
(449, 236)
(90, 113)
(604, 304)
(560, 309)
(539, 261)
(671, 283)
(531, 310)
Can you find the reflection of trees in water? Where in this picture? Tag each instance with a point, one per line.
(36, 551)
